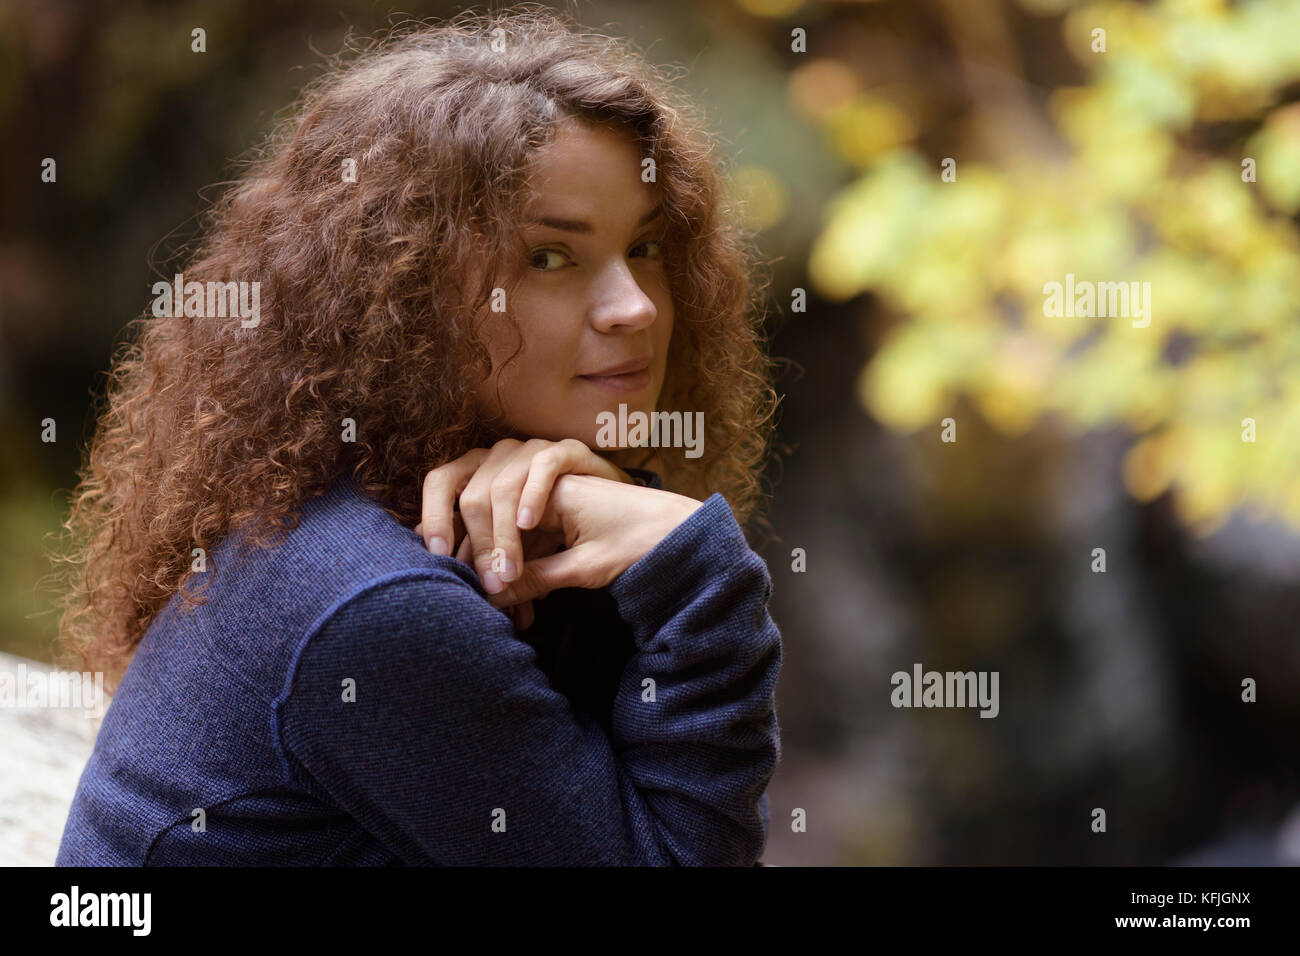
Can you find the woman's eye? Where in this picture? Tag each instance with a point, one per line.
(656, 244)
(539, 259)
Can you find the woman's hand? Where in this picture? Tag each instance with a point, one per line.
(607, 527)
(502, 491)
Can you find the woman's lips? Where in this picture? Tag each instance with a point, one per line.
(630, 382)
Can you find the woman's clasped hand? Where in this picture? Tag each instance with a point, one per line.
(533, 516)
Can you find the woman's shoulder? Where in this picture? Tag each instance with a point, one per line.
(261, 603)
(342, 537)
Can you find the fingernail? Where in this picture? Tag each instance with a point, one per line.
(508, 570)
(438, 546)
(491, 583)
(525, 519)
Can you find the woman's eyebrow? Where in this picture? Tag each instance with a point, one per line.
(584, 227)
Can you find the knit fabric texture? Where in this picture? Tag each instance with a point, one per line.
(346, 698)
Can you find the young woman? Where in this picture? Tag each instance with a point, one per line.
(474, 244)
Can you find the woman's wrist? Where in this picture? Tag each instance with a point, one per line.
(661, 514)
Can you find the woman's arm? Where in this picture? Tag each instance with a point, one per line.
(457, 751)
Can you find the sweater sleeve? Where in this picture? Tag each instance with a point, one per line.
(417, 709)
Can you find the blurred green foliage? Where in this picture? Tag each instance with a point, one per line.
(1145, 184)
(28, 515)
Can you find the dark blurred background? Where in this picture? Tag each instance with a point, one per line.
(1124, 162)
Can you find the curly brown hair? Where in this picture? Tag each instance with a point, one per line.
(206, 424)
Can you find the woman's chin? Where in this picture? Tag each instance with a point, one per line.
(602, 428)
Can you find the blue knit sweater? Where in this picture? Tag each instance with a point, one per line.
(347, 698)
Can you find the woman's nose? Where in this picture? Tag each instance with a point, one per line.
(620, 302)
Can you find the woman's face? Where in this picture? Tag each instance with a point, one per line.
(593, 305)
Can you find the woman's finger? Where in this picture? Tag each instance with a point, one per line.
(476, 512)
(441, 488)
(507, 486)
(571, 568)
(568, 456)
(464, 553)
